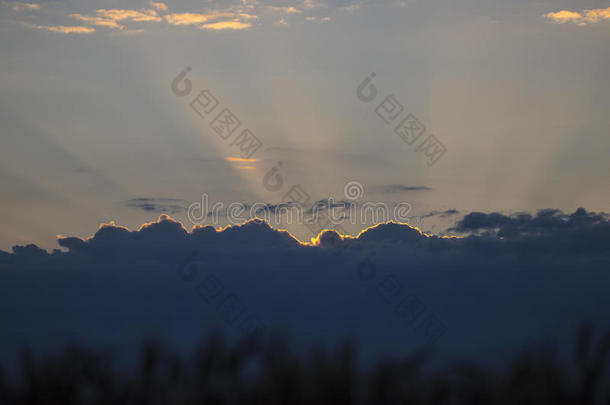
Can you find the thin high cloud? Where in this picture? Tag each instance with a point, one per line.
(441, 214)
(64, 29)
(163, 205)
(158, 5)
(195, 18)
(238, 17)
(227, 25)
(25, 6)
(111, 18)
(115, 19)
(581, 18)
(400, 188)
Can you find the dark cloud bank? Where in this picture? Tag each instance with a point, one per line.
(506, 282)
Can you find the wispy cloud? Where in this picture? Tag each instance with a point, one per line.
(170, 205)
(442, 214)
(99, 21)
(65, 29)
(236, 17)
(227, 25)
(579, 18)
(311, 4)
(158, 5)
(195, 18)
(25, 6)
(286, 10)
(131, 15)
(247, 16)
(238, 159)
(400, 188)
(110, 18)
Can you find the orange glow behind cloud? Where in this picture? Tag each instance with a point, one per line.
(238, 159)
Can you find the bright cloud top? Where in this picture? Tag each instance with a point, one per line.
(580, 18)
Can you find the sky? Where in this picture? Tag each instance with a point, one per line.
(458, 147)
(92, 132)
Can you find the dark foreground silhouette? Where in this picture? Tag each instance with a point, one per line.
(255, 371)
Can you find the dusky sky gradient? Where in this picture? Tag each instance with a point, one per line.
(516, 91)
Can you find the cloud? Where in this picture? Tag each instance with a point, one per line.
(441, 214)
(130, 15)
(399, 188)
(64, 29)
(227, 25)
(110, 18)
(353, 7)
(312, 4)
(549, 230)
(166, 205)
(291, 10)
(585, 17)
(286, 10)
(247, 16)
(328, 204)
(240, 160)
(99, 21)
(233, 17)
(187, 18)
(490, 288)
(158, 5)
(273, 208)
(25, 6)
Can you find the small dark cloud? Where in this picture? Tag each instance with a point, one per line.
(328, 204)
(274, 208)
(441, 214)
(400, 188)
(545, 222)
(162, 205)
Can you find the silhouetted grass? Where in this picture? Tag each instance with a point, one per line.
(267, 372)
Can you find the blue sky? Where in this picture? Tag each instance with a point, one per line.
(517, 92)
